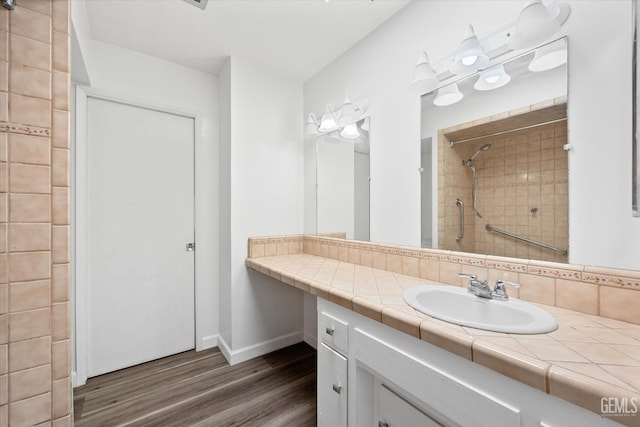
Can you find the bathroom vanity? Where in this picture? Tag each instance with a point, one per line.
(380, 362)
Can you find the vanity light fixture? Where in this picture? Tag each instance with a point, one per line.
(311, 126)
(350, 131)
(448, 95)
(424, 78)
(328, 122)
(549, 56)
(347, 112)
(492, 78)
(537, 23)
(470, 56)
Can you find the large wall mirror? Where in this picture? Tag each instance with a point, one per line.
(494, 167)
(342, 183)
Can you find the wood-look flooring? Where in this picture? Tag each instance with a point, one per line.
(201, 389)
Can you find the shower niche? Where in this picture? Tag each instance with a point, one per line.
(503, 184)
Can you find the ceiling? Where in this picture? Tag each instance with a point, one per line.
(296, 38)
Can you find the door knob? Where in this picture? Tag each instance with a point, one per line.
(190, 247)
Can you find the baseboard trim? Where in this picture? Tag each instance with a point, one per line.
(208, 342)
(312, 340)
(247, 353)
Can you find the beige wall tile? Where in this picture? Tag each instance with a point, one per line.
(3, 238)
(24, 267)
(394, 263)
(30, 324)
(29, 208)
(28, 23)
(60, 167)
(37, 5)
(537, 289)
(577, 296)
(60, 205)
(379, 260)
(4, 268)
(4, 298)
(61, 397)
(33, 53)
(60, 283)
(60, 319)
(29, 382)
(4, 359)
(411, 266)
(29, 295)
(4, 177)
(29, 179)
(30, 411)
(4, 144)
(61, 15)
(620, 304)
(60, 51)
(60, 90)
(4, 415)
(4, 45)
(4, 106)
(29, 237)
(60, 244)
(4, 328)
(62, 422)
(60, 130)
(449, 273)
(4, 76)
(30, 111)
(4, 389)
(3, 208)
(366, 258)
(60, 359)
(429, 269)
(29, 353)
(30, 82)
(29, 149)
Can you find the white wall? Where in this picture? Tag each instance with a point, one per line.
(265, 198)
(380, 67)
(141, 78)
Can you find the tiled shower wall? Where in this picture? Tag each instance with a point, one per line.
(35, 387)
(522, 171)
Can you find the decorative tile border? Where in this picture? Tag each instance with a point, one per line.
(24, 129)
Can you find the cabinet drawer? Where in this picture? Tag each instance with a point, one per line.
(332, 388)
(333, 332)
(394, 411)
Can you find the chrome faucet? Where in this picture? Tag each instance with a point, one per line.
(482, 289)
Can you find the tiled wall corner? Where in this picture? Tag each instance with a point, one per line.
(34, 213)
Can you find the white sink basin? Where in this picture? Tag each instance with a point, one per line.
(455, 305)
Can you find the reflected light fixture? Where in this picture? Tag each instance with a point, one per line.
(328, 122)
(311, 126)
(347, 112)
(350, 131)
(536, 23)
(549, 56)
(470, 56)
(424, 78)
(448, 95)
(492, 78)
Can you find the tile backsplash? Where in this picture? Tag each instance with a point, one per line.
(35, 362)
(611, 293)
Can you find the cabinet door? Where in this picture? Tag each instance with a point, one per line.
(332, 388)
(395, 411)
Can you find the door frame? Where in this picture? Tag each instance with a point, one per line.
(79, 221)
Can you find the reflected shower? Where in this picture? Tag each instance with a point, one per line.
(474, 189)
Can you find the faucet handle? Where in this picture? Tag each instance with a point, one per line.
(470, 276)
(499, 292)
(473, 280)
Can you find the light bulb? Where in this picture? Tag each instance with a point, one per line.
(492, 79)
(469, 60)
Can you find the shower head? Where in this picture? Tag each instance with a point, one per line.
(485, 147)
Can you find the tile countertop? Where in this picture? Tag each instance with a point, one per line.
(586, 359)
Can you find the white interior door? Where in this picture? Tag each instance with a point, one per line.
(140, 216)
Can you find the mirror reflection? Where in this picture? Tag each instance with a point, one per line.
(494, 175)
(342, 182)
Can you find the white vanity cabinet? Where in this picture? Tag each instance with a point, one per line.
(394, 379)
